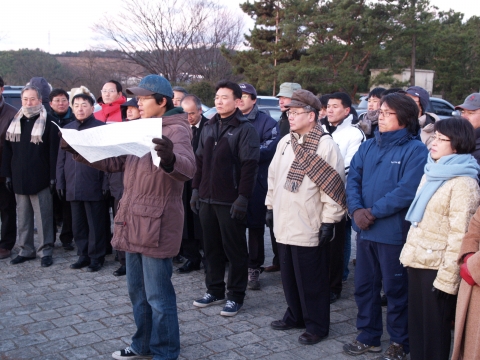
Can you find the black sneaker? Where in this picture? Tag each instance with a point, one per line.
(394, 352)
(357, 348)
(207, 300)
(128, 353)
(231, 308)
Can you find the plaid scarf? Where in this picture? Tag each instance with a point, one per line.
(307, 162)
(15, 129)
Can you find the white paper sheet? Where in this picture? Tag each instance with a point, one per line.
(123, 138)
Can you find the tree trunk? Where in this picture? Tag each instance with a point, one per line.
(414, 55)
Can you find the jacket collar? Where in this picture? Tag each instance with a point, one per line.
(236, 121)
(86, 121)
(253, 114)
(390, 138)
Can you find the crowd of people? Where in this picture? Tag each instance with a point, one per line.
(404, 180)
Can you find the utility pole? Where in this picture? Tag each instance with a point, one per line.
(275, 52)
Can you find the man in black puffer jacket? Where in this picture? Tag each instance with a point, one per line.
(227, 163)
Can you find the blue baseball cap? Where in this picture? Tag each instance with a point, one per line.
(152, 84)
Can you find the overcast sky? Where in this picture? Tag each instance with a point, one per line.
(56, 26)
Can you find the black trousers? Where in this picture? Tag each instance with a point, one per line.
(62, 213)
(8, 215)
(256, 247)
(273, 240)
(305, 284)
(429, 317)
(337, 246)
(88, 219)
(120, 254)
(224, 236)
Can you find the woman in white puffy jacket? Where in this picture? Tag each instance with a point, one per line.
(446, 199)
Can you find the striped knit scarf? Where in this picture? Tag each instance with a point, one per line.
(307, 162)
(15, 129)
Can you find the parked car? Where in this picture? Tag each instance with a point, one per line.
(442, 108)
(12, 95)
(267, 101)
(273, 111)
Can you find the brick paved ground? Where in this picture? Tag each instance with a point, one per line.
(60, 313)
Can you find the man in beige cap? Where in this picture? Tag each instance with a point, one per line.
(305, 198)
(284, 97)
(470, 110)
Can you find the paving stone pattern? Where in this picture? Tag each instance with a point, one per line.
(60, 313)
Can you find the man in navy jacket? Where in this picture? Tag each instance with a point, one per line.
(268, 132)
(382, 182)
(84, 187)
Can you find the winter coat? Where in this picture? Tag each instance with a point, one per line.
(284, 125)
(227, 160)
(476, 152)
(384, 176)
(435, 243)
(267, 130)
(7, 112)
(63, 120)
(150, 214)
(31, 166)
(81, 182)
(115, 184)
(110, 112)
(347, 136)
(45, 88)
(297, 217)
(467, 319)
(192, 229)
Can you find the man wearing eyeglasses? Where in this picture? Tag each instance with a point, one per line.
(110, 101)
(305, 199)
(470, 110)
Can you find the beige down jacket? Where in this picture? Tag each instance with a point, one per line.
(297, 217)
(436, 242)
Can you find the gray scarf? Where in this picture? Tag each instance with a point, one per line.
(15, 129)
(370, 118)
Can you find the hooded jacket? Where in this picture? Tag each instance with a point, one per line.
(227, 160)
(384, 176)
(45, 88)
(110, 112)
(149, 219)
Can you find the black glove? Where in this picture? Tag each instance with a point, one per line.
(194, 201)
(52, 186)
(164, 151)
(239, 208)
(326, 233)
(441, 295)
(8, 184)
(106, 194)
(61, 194)
(363, 218)
(269, 218)
(66, 147)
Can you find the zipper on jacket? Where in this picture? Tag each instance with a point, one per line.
(285, 148)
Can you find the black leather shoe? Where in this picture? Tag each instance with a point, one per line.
(47, 261)
(281, 325)
(121, 271)
(188, 267)
(309, 339)
(94, 266)
(67, 246)
(20, 259)
(334, 297)
(81, 263)
(179, 259)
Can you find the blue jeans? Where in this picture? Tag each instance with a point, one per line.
(154, 306)
(347, 250)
